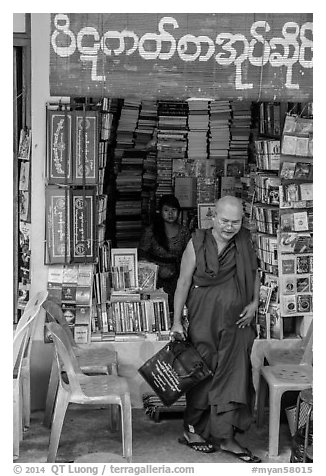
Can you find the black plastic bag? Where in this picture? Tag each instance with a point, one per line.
(174, 370)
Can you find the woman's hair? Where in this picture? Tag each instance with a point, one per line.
(158, 224)
(170, 201)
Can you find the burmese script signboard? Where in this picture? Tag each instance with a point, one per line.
(261, 56)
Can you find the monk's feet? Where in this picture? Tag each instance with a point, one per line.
(231, 446)
(196, 442)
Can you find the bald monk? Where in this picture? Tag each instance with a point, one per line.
(219, 283)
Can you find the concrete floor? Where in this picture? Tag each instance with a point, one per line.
(85, 430)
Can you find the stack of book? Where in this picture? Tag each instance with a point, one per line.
(108, 125)
(240, 134)
(198, 126)
(128, 198)
(147, 122)
(219, 133)
(146, 140)
(70, 286)
(126, 129)
(171, 141)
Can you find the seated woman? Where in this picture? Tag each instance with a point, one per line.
(163, 243)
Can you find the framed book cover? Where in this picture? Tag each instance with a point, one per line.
(83, 225)
(302, 147)
(24, 147)
(234, 167)
(205, 214)
(24, 205)
(300, 221)
(303, 170)
(59, 150)
(289, 144)
(304, 303)
(24, 176)
(306, 191)
(288, 170)
(296, 243)
(126, 257)
(85, 147)
(57, 229)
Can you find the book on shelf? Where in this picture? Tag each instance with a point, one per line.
(70, 286)
(24, 205)
(125, 258)
(303, 170)
(296, 243)
(235, 167)
(205, 214)
(81, 334)
(24, 176)
(296, 221)
(24, 147)
(185, 189)
(269, 325)
(287, 170)
(147, 275)
(265, 293)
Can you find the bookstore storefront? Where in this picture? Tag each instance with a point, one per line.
(209, 88)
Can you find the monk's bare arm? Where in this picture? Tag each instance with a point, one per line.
(187, 268)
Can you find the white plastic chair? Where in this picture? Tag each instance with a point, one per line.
(91, 359)
(85, 389)
(21, 367)
(281, 378)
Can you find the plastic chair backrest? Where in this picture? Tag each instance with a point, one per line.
(55, 313)
(66, 356)
(23, 332)
(33, 304)
(19, 351)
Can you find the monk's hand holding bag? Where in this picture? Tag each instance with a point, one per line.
(174, 370)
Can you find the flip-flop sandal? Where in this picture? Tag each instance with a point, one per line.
(245, 456)
(201, 446)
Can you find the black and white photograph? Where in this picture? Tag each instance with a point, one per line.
(162, 217)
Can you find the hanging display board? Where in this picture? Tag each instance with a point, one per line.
(261, 57)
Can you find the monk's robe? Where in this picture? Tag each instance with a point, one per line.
(223, 284)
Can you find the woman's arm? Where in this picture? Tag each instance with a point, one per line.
(188, 264)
